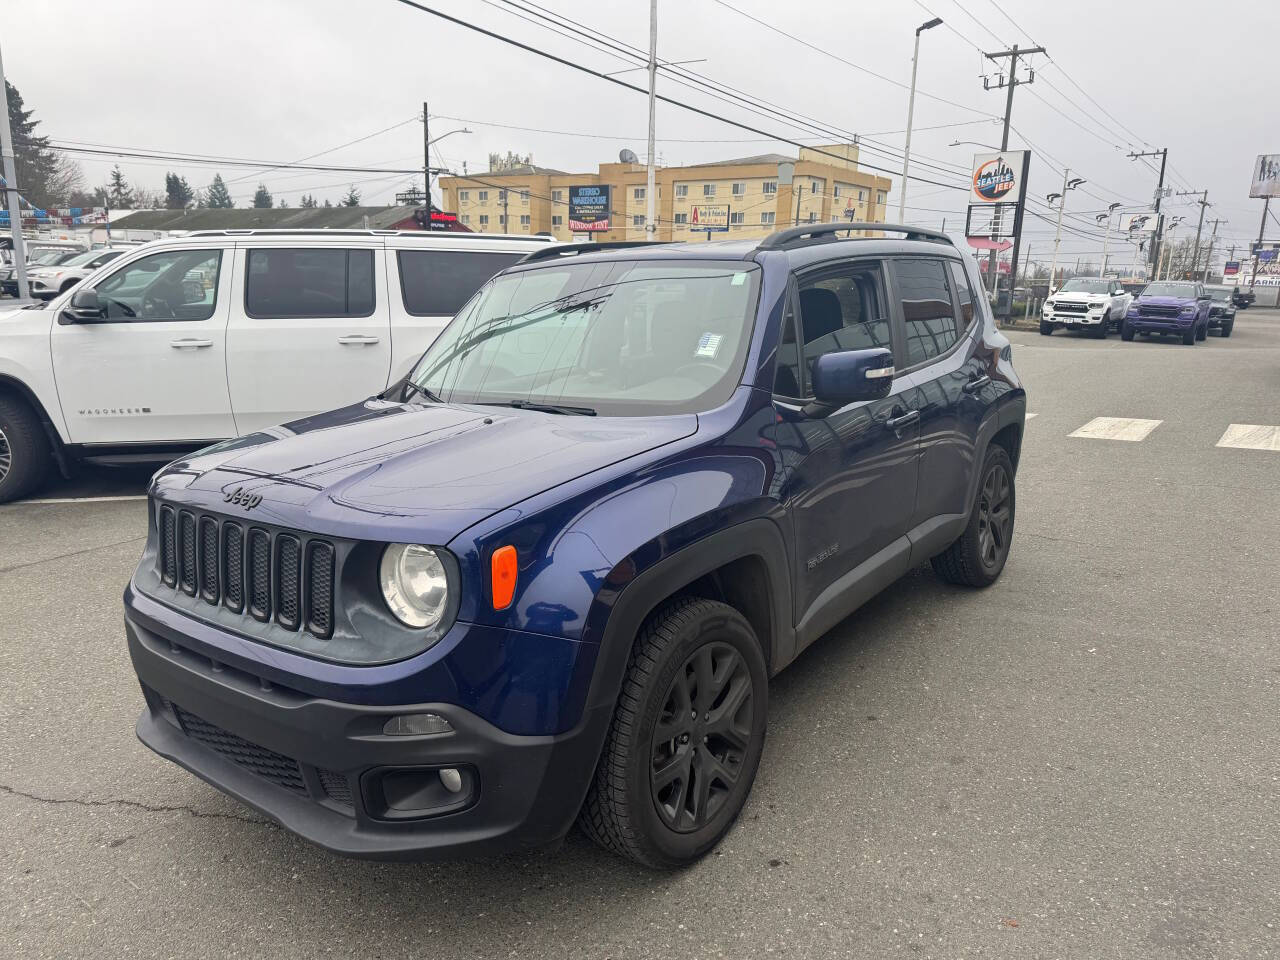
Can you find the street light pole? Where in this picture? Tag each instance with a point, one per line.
(911, 105)
(1106, 239)
(650, 221)
(1068, 183)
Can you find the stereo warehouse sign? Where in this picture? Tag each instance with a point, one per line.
(589, 209)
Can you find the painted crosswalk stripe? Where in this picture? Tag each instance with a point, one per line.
(1116, 428)
(1251, 436)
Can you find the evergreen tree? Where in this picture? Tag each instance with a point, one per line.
(36, 163)
(262, 197)
(308, 202)
(327, 203)
(178, 193)
(352, 199)
(119, 196)
(283, 204)
(217, 195)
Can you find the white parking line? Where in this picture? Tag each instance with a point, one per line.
(1251, 436)
(83, 500)
(1030, 415)
(1116, 428)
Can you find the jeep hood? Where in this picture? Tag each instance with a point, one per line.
(435, 469)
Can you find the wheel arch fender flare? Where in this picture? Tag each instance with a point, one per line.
(17, 387)
(1012, 410)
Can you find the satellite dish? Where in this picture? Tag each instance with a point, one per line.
(627, 156)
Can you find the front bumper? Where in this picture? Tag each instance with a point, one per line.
(325, 769)
(1080, 320)
(1161, 324)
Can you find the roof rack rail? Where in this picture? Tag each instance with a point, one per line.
(824, 233)
(357, 232)
(572, 249)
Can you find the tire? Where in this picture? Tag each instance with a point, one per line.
(1046, 329)
(1103, 327)
(1190, 337)
(666, 827)
(1202, 333)
(978, 555)
(1225, 329)
(24, 449)
(67, 286)
(1126, 331)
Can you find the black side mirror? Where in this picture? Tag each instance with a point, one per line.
(849, 376)
(85, 307)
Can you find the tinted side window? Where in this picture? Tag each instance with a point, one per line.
(309, 283)
(843, 309)
(927, 310)
(787, 379)
(436, 283)
(964, 293)
(174, 285)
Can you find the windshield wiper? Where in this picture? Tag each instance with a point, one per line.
(542, 407)
(426, 394)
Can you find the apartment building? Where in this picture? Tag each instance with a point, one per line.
(826, 186)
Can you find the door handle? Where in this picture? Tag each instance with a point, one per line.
(976, 384)
(897, 423)
(357, 339)
(190, 343)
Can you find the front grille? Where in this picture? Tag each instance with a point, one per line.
(336, 786)
(276, 767)
(1160, 312)
(248, 569)
(1070, 308)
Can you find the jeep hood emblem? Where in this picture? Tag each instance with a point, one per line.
(238, 498)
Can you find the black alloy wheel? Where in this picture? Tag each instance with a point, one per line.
(700, 740)
(995, 516)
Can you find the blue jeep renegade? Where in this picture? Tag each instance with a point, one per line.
(547, 577)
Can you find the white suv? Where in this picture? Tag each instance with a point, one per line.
(47, 282)
(182, 342)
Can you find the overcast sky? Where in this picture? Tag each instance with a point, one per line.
(283, 79)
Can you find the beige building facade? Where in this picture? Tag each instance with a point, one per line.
(824, 189)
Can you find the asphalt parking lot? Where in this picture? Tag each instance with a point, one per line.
(1080, 761)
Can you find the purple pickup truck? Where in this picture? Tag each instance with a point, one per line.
(1178, 307)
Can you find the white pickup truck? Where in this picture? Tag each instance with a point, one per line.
(1095, 304)
(182, 342)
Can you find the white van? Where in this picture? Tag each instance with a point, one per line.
(185, 341)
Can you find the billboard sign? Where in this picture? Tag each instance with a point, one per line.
(1231, 269)
(1136, 223)
(589, 208)
(709, 217)
(1266, 176)
(999, 177)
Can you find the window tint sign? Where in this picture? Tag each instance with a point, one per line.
(998, 177)
(588, 209)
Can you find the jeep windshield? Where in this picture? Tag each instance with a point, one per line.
(1086, 286)
(1185, 290)
(1220, 294)
(614, 337)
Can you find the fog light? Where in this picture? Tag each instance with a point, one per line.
(417, 725)
(451, 779)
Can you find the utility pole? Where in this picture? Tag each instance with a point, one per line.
(426, 159)
(1204, 202)
(1163, 154)
(1013, 54)
(650, 208)
(911, 105)
(1208, 258)
(14, 201)
(1262, 228)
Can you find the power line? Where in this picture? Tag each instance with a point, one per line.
(173, 157)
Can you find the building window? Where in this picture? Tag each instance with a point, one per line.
(466, 218)
(524, 219)
(557, 220)
(502, 219)
(813, 186)
(768, 218)
(837, 190)
(483, 196)
(737, 219)
(813, 216)
(557, 196)
(708, 189)
(771, 186)
(484, 219)
(682, 218)
(637, 193)
(862, 196)
(881, 197)
(637, 220)
(739, 189)
(464, 196)
(682, 189)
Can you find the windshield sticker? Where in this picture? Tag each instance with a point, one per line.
(739, 279)
(708, 345)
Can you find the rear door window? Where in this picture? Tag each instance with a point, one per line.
(928, 311)
(964, 293)
(436, 283)
(283, 283)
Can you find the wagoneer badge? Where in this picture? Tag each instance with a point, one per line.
(238, 498)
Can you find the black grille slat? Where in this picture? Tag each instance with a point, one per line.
(258, 574)
(233, 566)
(187, 552)
(267, 574)
(209, 559)
(319, 588)
(276, 767)
(336, 786)
(288, 581)
(168, 547)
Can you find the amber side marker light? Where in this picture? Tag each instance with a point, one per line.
(502, 576)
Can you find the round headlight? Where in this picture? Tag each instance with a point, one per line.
(414, 584)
